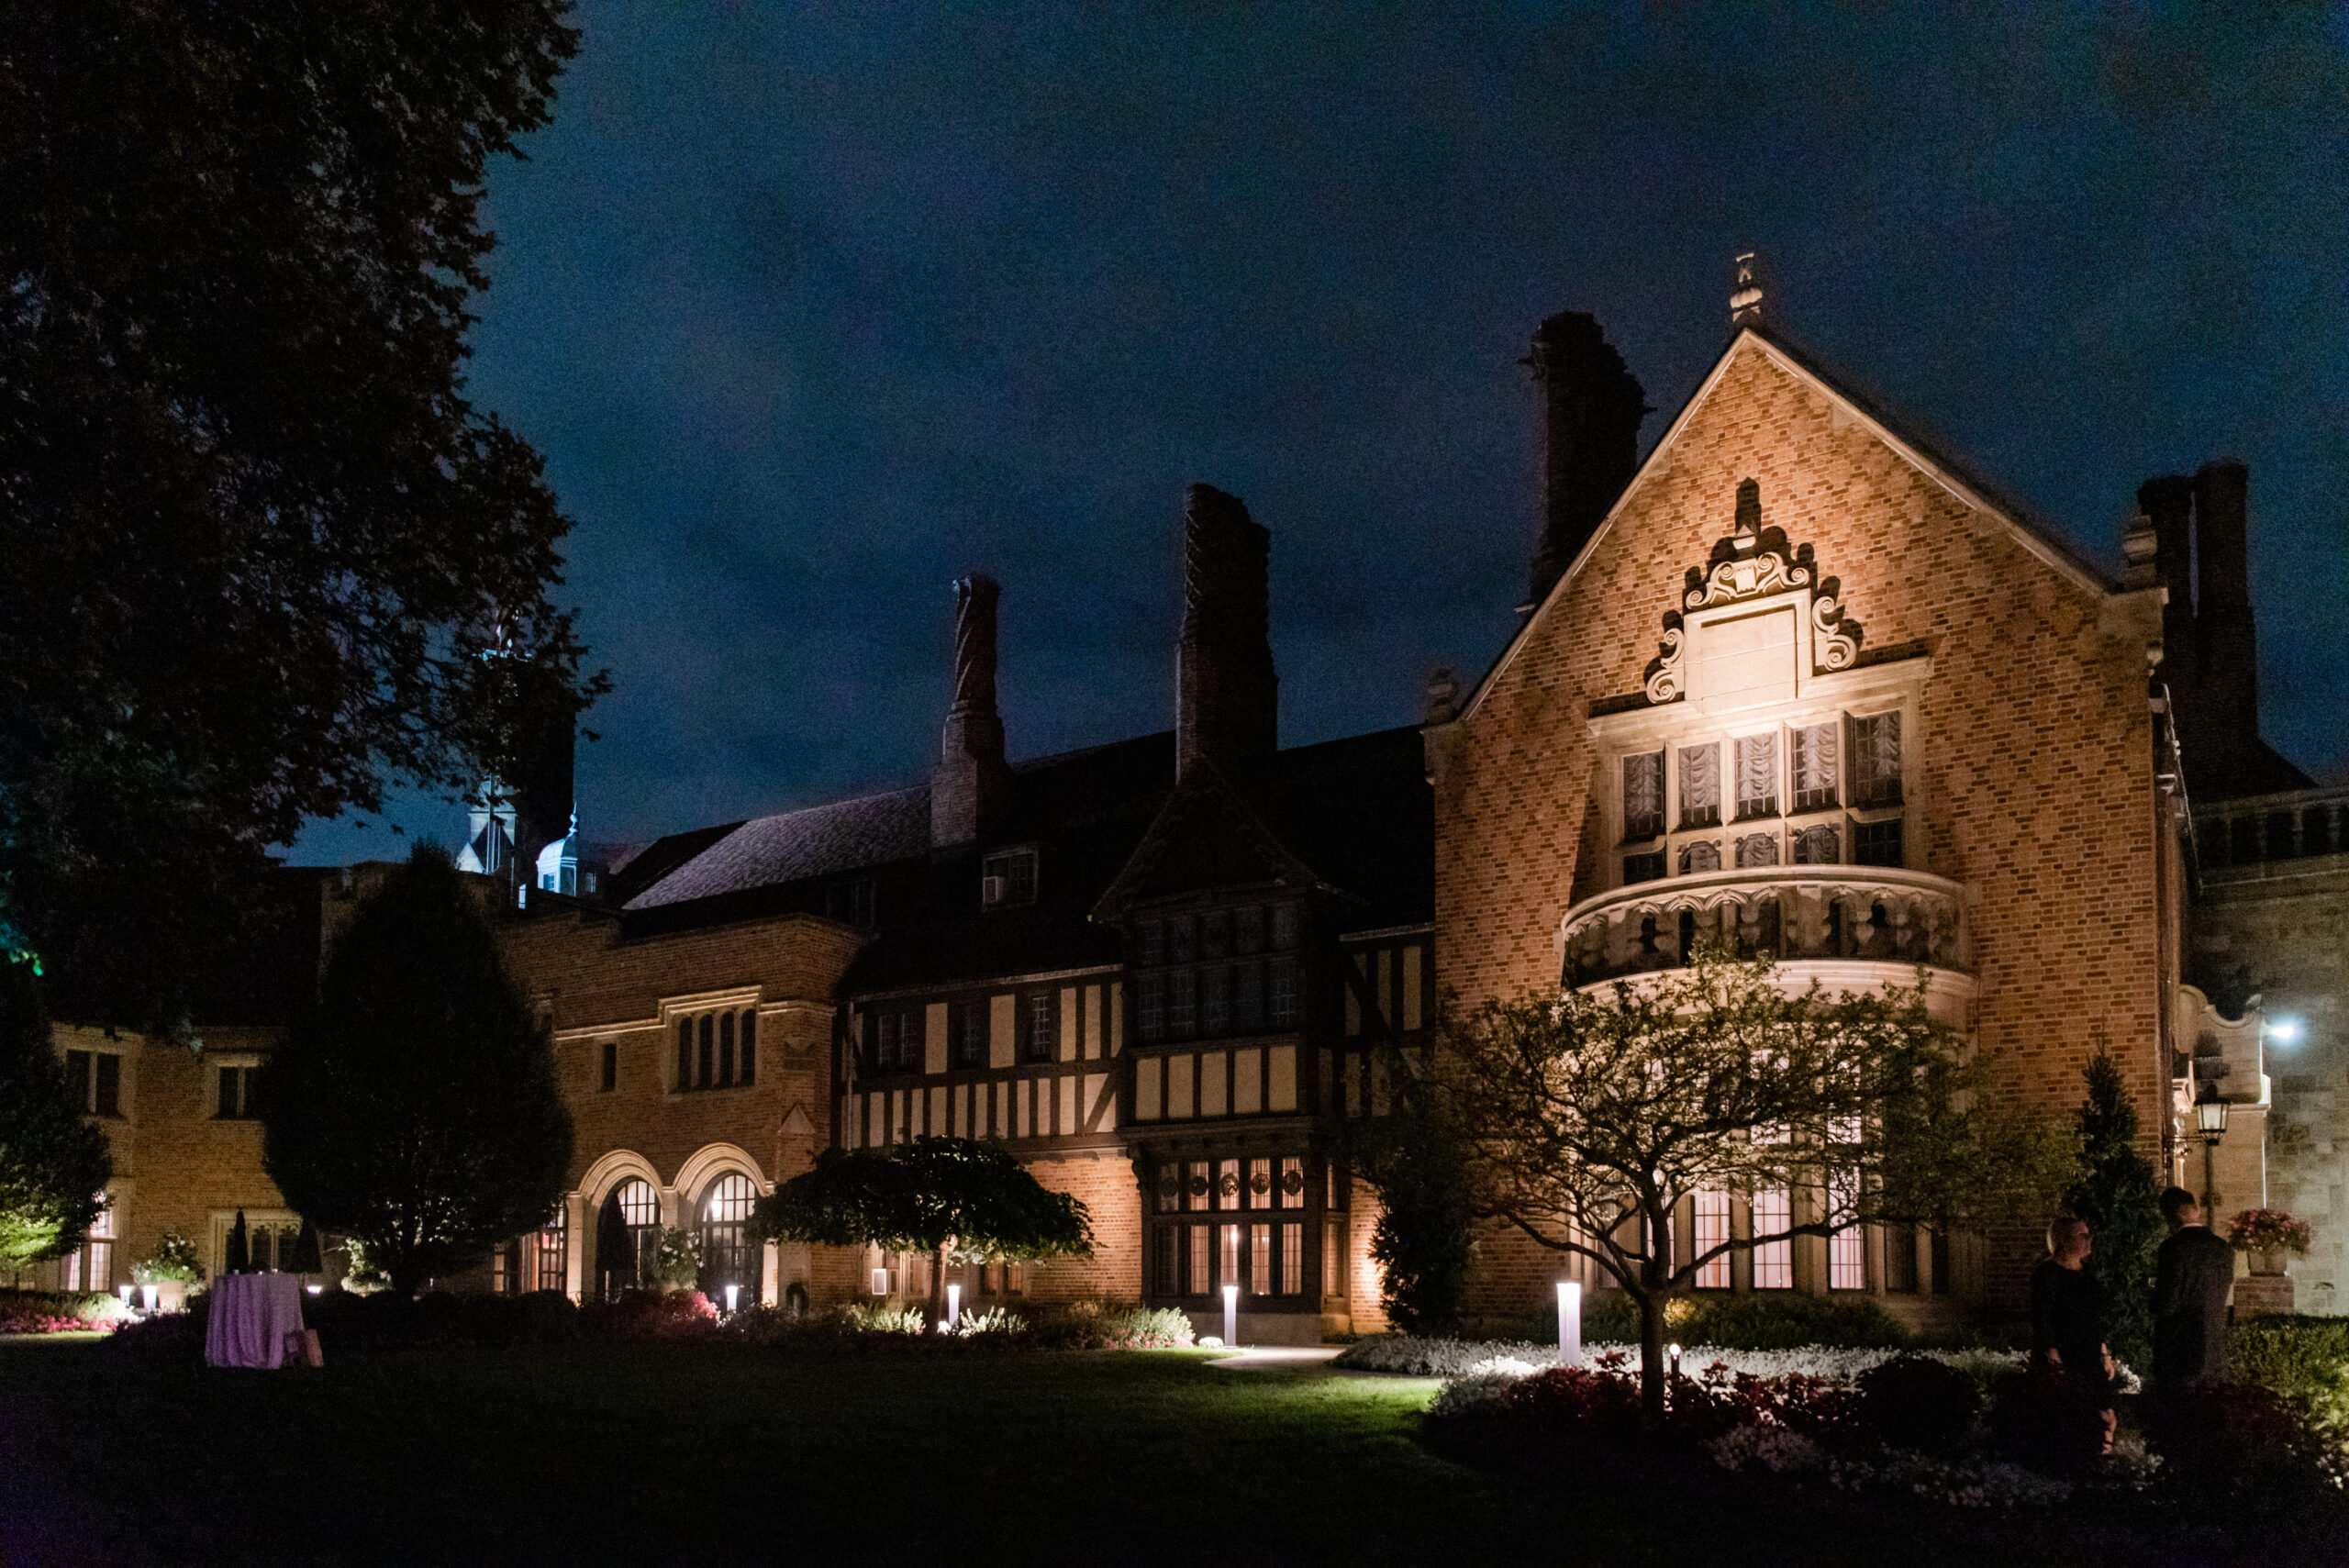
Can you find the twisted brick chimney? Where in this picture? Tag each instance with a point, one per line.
(1226, 696)
(973, 784)
(1591, 410)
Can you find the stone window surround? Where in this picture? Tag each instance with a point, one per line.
(1819, 698)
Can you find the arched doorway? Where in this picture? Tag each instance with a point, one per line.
(626, 1232)
(729, 1255)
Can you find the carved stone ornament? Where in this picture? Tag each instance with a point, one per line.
(1749, 563)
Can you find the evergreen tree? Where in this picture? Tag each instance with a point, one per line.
(2119, 1197)
(255, 534)
(1424, 1240)
(415, 1107)
(52, 1163)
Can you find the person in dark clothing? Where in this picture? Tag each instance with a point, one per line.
(2068, 1319)
(2193, 1274)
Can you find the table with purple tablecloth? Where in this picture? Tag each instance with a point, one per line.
(251, 1315)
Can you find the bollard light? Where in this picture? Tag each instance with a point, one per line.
(733, 1295)
(125, 1293)
(1673, 1351)
(315, 1289)
(1231, 1316)
(1569, 1323)
(954, 1306)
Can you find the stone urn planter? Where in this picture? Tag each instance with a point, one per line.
(2267, 1262)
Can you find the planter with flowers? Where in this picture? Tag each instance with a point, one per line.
(2266, 1235)
(164, 1274)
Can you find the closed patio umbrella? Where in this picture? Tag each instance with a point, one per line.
(240, 1257)
(309, 1258)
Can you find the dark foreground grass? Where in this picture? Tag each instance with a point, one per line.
(664, 1455)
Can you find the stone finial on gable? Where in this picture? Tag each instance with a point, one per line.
(1745, 304)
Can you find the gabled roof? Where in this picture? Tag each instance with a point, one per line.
(818, 840)
(1907, 436)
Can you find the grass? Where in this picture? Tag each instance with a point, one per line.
(657, 1454)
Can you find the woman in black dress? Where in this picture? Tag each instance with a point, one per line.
(2068, 1321)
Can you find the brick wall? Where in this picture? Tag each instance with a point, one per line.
(2037, 788)
(1106, 1183)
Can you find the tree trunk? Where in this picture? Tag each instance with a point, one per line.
(938, 1291)
(1653, 1372)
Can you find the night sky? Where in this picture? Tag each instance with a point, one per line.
(810, 313)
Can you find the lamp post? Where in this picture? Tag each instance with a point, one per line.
(2210, 1122)
(1231, 1316)
(1569, 1323)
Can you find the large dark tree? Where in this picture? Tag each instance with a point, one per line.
(2121, 1202)
(52, 1163)
(415, 1107)
(255, 537)
(957, 1199)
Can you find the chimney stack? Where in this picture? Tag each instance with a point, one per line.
(1227, 701)
(2169, 502)
(1591, 410)
(973, 782)
(2222, 604)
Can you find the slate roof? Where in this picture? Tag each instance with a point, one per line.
(1358, 811)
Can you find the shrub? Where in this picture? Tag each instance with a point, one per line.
(2050, 1424)
(676, 1261)
(60, 1311)
(1413, 1356)
(173, 1261)
(2224, 1436)
(1914, 1402)
(669, 1315)
(861, 1319)
(2304, 1361)
(1756, 1321)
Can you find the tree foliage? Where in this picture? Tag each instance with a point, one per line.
(2119, 1197)
(53, 1164)
(255, 534)
(1424, 1240)
(1587, 1118)
(415, 1107)
(957, 1199)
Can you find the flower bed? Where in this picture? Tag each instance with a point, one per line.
(61, 1311)
(1413, 1356)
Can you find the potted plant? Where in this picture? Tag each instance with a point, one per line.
(172, 1263)
(2266, 1234)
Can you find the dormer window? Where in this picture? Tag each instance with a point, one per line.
(1007, 879)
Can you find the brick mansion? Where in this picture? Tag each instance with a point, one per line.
(1798, 679)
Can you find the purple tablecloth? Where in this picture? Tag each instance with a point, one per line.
(251, 1315)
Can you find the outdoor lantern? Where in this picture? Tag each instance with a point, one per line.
(2210, 1114)
(1569, 1323)
(2285, 1032)
(733, 1295)
(2211, 1120)
(953, 1306)
(148, 1295)
(1231, 1315)
(125, 1293)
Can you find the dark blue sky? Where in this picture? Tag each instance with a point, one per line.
(812, 312)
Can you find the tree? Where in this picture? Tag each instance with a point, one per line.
(960, 1200)
(1424, 1240)
(2117, 1194)
(1587, 1118)
(53, 1165)
(255, 534)
(414, 1105)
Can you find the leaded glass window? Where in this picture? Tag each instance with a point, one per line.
(1818, 846)
(1757, 775)
(1814, 757)
(1774, 1261)
(1711, 1231)
(1757, 849)
(1875, 760)
(727, 1254)
(1702, 856)
(1643, 795)
(1701, 786)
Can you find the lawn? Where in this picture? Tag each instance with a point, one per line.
(661, 1454)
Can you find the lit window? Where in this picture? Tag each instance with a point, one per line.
(1847, 1257)
(728, 1256)
(1774, 1261)
(1292, 1275)
(1711, 1231)
(1202, 1274)
(1643, 796)
(1260, 1259)
(1701, 786)
(1230, 1271)
(627, 1236)
(1008, 879)
(1042, 1038)
(552, 1253)
(1757, 775)
(1814, 757)
(1292, 1182)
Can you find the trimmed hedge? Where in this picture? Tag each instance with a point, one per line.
(1749, 1322)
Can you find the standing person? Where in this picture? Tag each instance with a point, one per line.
(2067, 1321)
(2193, 1274)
